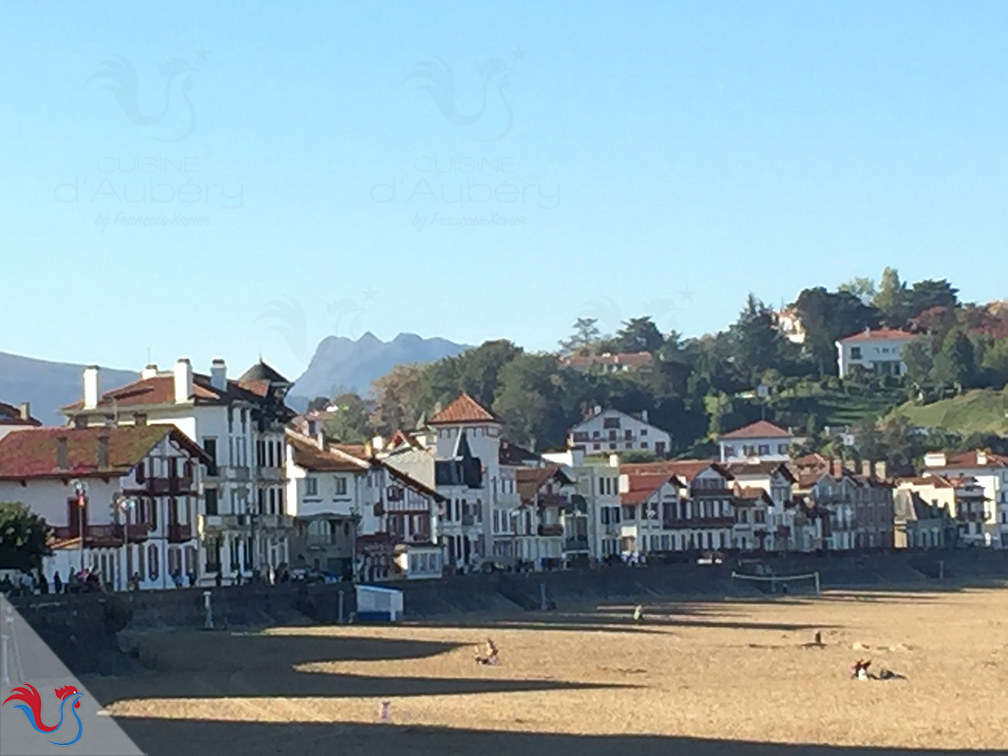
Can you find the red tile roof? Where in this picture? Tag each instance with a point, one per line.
(969, 459)
(759, 429)
(530, 479)
(642, 485)
(33, 453)
(308, 455)
(160, 389)
(685, 469)
(464, 409)
(741, 469)
(880, 334)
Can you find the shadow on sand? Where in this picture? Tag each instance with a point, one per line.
(248, 665)
(170, 737)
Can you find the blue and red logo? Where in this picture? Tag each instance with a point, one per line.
(32, 708)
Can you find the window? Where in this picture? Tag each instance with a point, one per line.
(782, 449)
(659, 447)
(230, 420)
(611, 422)
(604, 512)
(643, 431)
(244, 418)
(141, 472)
(152, 561)
(210, 447)
(612, 435)
(596, 447)
(210, 501)
(311, 487)
(628, 435)
(643, 445)
(764, 449)
(629, 512)
(272, 498)
(269, 455)
(596, 434)
(341, 486)
(855, 353)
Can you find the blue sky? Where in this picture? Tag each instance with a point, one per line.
(664, 160)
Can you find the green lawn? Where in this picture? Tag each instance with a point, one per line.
(980, 411)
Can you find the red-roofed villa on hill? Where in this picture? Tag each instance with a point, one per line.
(877, 351)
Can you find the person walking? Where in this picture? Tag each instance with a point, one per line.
(57, 583)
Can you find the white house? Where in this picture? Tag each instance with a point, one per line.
(611, 431)
(243, 524)
(776, 480)
(649, 506)
(598, 483)
(759, 441)
(991, 473)
(352, 508)
(121, 501)
(878, 351)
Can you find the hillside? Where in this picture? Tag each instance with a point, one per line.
(981, 411)
(48, 385)
(341, 364)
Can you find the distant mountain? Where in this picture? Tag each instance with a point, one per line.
(49, 385)
(341, 364)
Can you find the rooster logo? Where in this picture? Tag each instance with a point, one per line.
(125, 88)
(32, 708)
(441, 88)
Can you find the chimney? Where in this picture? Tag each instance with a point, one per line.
(183, 381)
(881, 470)
(218, 375)
(26, 410)
(92, 387)
(320, 440)
(866, 468)
(643, 415)
(981, 457)
(378, 443)
(103, 460)
(150, 371)
(61, 453)
(597, 410)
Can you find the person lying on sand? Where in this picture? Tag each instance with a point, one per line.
(860, 671)
(491, 654)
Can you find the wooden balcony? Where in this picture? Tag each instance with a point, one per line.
(179, 533)
(551, 530)
(103, 536)
(162, 486)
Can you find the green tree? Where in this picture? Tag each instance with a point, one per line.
(400, 396)
(917, 356)
(891, 299)
(929, 294)
(24, 538)
(639, 335)
(586, 335)
(955, 365)
(523, 398)
(754, 342)
(861, 287)
(348, 422)
(995, 364)
(828, 317)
